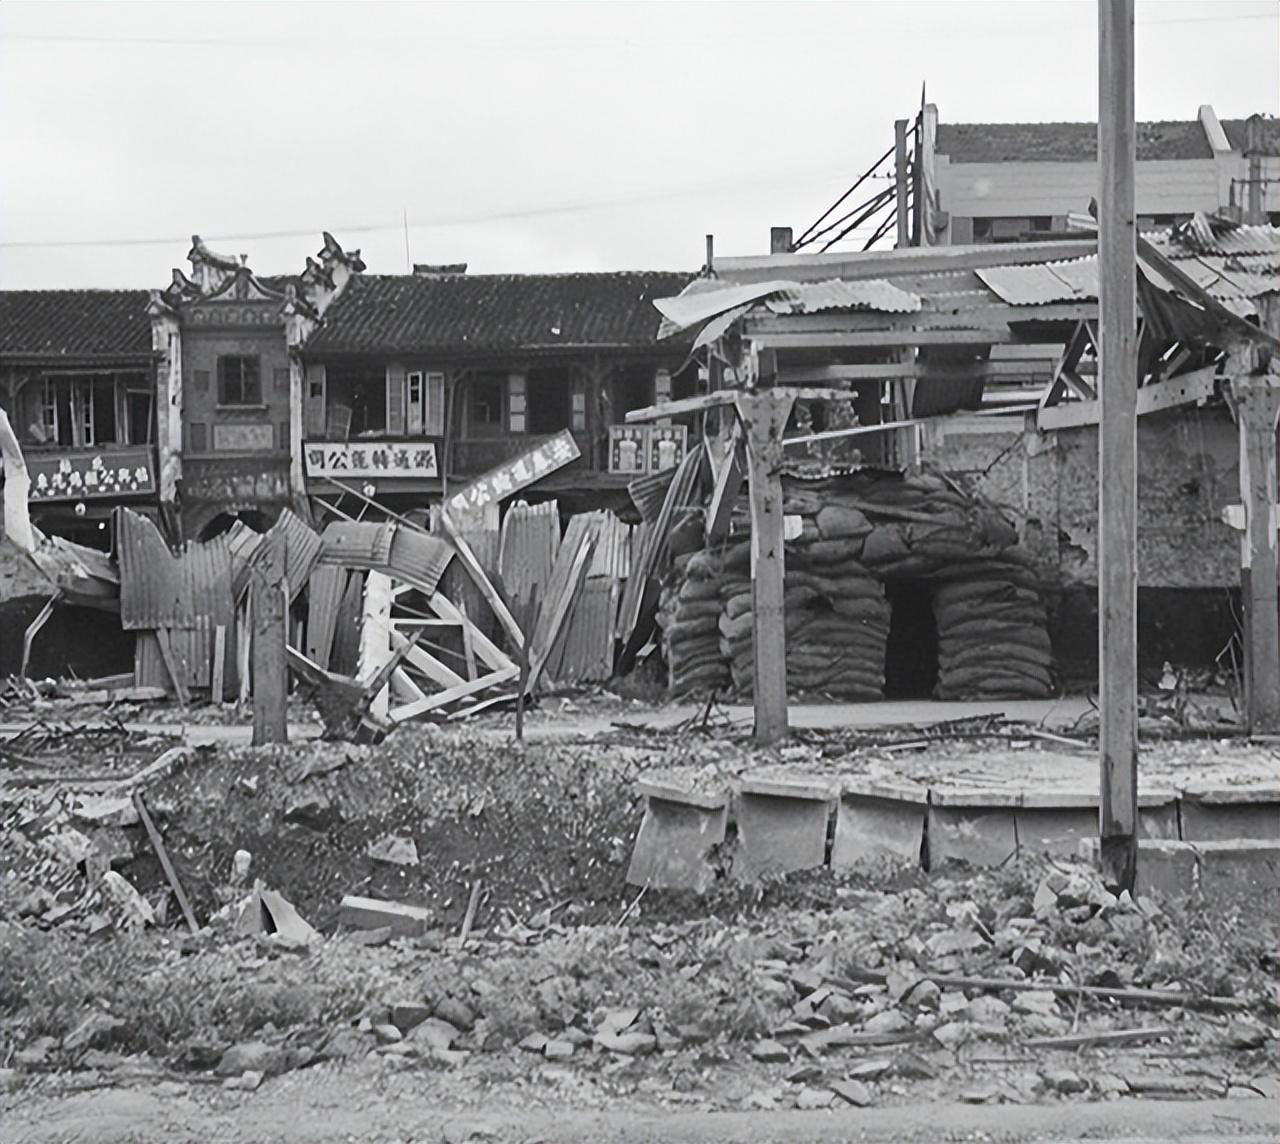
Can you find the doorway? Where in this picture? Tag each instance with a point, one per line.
(911, 656)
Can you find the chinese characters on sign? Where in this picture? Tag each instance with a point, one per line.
(643, 449)
(371, 459)
(552, 454)
(126, 472)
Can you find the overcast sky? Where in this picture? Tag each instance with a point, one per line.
(524, 136)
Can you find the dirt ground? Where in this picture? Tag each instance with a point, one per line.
(368, 1104)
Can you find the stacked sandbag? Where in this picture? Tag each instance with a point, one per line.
(993, 634)
(689, 617)
(836, 622)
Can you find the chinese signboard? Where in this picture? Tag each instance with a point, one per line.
(643, 449)
(512, 476)
(371, 459)
(243, 438)
(84, 476)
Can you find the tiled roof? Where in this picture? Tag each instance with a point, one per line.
(473, 314)
(1269, 130)
(1064, 142)
(74, 323)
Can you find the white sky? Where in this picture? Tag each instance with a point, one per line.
(532, 136)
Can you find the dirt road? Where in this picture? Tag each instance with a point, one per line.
(329, 1105)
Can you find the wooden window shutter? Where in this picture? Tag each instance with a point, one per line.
(313, 400)
(434, 421)
(395, 399)
(516, 397)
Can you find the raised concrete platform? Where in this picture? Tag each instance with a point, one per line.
(976, 806)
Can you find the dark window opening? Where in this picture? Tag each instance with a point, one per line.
(548, 397)
(632, 389)
(485, 405)
(685, 383)
(911, 657)
(239, 380)
(355, 402)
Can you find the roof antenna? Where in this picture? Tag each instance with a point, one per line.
(710, 268)
(408, 261)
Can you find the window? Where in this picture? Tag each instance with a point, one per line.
(84, 411)
(485, 405)
(239, 380)
(550, 409)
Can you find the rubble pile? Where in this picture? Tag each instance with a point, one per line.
(985, 988)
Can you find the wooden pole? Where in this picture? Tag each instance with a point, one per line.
(900, 177)
(764, 417)
(1257, 408)
(270, 664)
(1118, 448)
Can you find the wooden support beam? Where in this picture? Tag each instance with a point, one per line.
(166, 864)
(218, 674)
(764, 418)
(728, 485)
(889, 339)
(268, 601)
(476, 570)
(1257, 409)
(485, 648)
(1118, 449)
(1189, 389)
(375, 638)
(724, 397)
(443, 698)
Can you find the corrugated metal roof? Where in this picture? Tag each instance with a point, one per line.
(1038, 285)
(867, 294)
(161, 590)
(462, 314)
(59, 324)
(1201, 234)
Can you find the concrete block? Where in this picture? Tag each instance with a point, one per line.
(1242, 867)
(1166, 866)
(1213, 814)
(877, 821)
(782, 827)
(372, 913)
(974, 826)
(1158, 817)
(677, 836)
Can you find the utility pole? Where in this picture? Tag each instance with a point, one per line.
(900, 177)
(1118, 448)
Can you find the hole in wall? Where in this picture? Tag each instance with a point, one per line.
(911, 656)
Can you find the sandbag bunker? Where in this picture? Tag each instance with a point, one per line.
(895, 586)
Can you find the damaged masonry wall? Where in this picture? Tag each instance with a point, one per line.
(1046, 483)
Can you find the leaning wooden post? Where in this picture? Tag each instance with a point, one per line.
(1257, 408)
(1118, 449)
(269, 608)
(764, 416)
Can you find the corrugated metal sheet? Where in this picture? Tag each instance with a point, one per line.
(1203, 235)
(648, 492)
(583, 530)
(302, 547)
(418, 559)
(612, 556)
(527, 552)
(160, 590)
(584, 652)
(357, 544)
(324, 599)
(1039, 284)
(866, 294)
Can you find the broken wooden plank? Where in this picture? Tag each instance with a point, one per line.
(481, 578)
(376, 638)
(1103, 1037)
(217, 678)
(484, 647)
(373, 913)
(409, 711)
(468, 645)
(171, 666)
(166, 864)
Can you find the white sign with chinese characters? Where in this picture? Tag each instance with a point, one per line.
(370, 459)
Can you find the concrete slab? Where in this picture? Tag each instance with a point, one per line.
(674, 846)
(870, 828)
(981, 835)
(1208, 819)
(781, 828)
(1169, 867)
(1242, 867)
